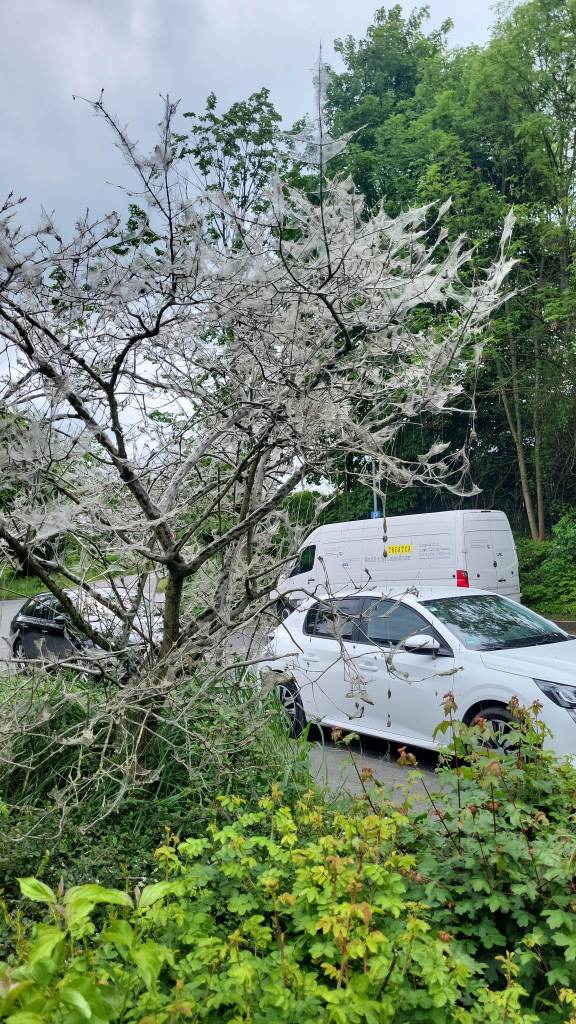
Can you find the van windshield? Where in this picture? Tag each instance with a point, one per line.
(490, 623)
(305, 562)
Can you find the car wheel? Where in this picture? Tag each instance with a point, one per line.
(18, 654)
(500, 722)
(289, 696)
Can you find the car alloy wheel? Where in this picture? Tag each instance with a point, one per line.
(500, 723)
(18, 655)
(289, 696)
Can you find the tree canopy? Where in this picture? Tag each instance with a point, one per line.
(492, 127)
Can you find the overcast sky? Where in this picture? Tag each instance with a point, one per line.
(54, 151)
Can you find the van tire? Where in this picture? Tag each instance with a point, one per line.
(289, 697)
(283, 610)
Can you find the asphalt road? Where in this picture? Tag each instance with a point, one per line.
(8, 610)
(338, 769)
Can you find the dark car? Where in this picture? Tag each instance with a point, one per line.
(42, 629)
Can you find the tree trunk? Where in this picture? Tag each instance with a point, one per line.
(514, 417)
(538, 441)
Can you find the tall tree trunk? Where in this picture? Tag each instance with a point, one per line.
(514, 417)
(538, 439)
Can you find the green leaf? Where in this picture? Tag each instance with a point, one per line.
(72, 997)
(47, 938)
(35, 890)
(152, 893)
(25, 1017)
(558, 919)
(569, 944)
(147, 959)
(120, 934)
(242, 904)
(94, 894)
(43, 971)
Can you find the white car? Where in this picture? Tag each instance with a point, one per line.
(381, 664)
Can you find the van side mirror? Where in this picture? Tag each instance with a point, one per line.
(421, 643)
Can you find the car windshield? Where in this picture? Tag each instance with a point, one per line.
(490, 623)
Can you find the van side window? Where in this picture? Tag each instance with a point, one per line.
(387, 623)
(334, 620)
(305, 561)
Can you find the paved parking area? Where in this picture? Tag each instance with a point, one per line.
(337, 768)
(8, 610)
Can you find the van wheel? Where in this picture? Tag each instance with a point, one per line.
(289, 696)
(500, 722)
(283, 610)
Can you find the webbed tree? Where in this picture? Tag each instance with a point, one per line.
(178, 386)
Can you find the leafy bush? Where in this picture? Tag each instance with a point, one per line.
(457, 913)
(496, 858)
(548, 570)
(279, 916)
(564, 538)
(77, 803)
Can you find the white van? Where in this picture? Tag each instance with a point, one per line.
(466, 548)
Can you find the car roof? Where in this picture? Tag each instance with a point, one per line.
(416, 594)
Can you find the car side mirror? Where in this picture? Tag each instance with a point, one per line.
(59, 618)
(421, 643)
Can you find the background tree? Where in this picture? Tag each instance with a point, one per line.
(234, 154)
(490, 127)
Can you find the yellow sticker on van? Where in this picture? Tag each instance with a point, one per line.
(399, 549)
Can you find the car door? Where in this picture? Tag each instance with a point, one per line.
(324, 663)
(404, 689)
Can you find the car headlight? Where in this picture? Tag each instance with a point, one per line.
(561, 693)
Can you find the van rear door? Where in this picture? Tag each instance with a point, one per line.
(480, 561)
(506, 560)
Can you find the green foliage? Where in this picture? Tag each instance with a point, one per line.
(564, 539)
(16, 584)
(496, 866)
(234, 152)
(381, 76)
(301, 507)
(488, 127)
(77, 803)
(548, 570)
(307, 507)
(281, 914)
(304, 911)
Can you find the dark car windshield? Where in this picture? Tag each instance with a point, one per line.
(490, 623)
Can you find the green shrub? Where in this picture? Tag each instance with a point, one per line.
(278, 916)
(548, 570)
(496, 858)
(77, 804)
(564, 538)
(461, 912)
